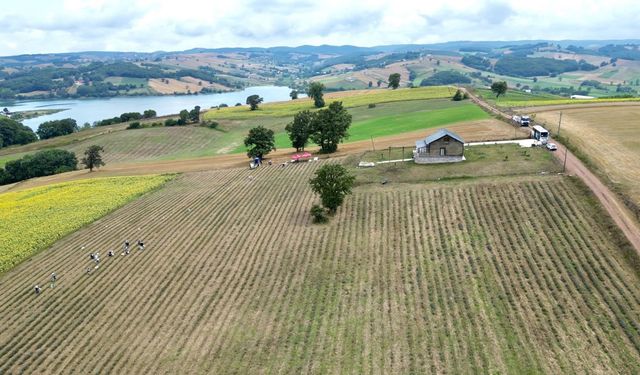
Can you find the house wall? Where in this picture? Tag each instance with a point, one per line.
(454, 148)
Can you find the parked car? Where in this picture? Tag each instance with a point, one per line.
(551, 146)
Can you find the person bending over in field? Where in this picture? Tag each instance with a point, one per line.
(125, 247)
(140, 245)
(110, 253)
(37, 289)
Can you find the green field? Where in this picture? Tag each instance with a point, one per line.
(521, 99)
(348, 98)
(396, 118)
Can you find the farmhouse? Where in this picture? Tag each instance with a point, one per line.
(443, 146)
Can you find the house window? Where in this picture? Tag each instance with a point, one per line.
(443, 151)
(446, 139)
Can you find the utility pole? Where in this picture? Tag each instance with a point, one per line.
(559, 123)
(564, 165)
(372, 145)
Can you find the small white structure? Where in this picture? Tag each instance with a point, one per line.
(581, 97)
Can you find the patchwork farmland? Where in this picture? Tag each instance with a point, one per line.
(609, 137)
(513, 275)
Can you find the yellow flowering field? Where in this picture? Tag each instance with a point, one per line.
(33, 219)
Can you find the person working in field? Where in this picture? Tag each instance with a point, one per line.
(54, 277)
(110, 253)
(140, 245)
(125, 247)
(37, 289)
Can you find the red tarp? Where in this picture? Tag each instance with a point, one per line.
(303, 155)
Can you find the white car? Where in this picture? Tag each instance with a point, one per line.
(551, 146)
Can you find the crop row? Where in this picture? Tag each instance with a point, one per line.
(507, 277)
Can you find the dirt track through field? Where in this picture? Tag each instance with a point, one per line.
(612, 204)
(471, 131)
(472, 278)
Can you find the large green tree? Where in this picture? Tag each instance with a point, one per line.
(93, 157)
(394, 80)
(254, 101)
(499, 88)
(332, 182)
(330, 126)
(183, 117)
(260, 141)
(299, 129)
(315, 93)
(56, 128)
(293, 94)
(14, 133)
(194, 114)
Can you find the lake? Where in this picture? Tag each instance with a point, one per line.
(95, 109)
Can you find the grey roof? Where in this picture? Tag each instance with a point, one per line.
(441, 133)
(420, 144)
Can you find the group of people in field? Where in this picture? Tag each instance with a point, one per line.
(95, 257)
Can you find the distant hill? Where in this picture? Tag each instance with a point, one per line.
(202, 70)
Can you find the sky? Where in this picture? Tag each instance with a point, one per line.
(47, 26)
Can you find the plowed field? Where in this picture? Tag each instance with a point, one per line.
(519, 275)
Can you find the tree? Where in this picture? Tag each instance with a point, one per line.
(458, 96)
(394, 80)
(184, 117)
(300, 129)
(332, 182)
(293, 94)
(260, 141)
(56, 128)
(329, 127)
(379, 83)
(499, 88)
(315, 93)
(370, 84)
(14, 133)
(194, 114)
(149, 113)
(253, 101)
(92, 158)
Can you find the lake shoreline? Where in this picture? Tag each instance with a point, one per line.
(91, 110)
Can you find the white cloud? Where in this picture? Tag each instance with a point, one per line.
(146, 25)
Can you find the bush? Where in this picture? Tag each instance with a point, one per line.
(223, 105)
(372, 105)
(211, 124)
(134, 125)
(319, 214)
(156, 124)
(170, 122)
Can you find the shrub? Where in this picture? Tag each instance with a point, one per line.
(134, 125)
(170, 122)
(319, 214)
(211, 124)
(372, 105)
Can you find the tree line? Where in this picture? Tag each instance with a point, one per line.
(49, 162)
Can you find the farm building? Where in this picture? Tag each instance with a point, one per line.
(443, 146)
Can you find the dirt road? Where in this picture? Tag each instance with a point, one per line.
(616, 209)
